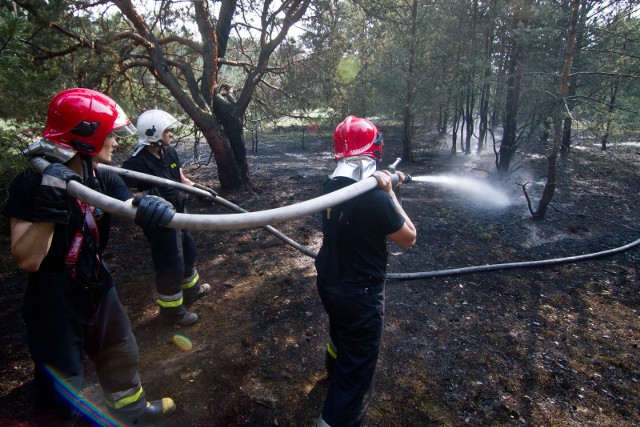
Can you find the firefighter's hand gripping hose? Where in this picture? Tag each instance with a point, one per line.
(50, 204)
(153, 211)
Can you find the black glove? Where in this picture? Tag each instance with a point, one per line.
(153, 211)
(50, 204)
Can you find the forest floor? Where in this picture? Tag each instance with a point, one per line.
(544, 346)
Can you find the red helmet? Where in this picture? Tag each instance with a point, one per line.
(357, 137)
(81, 119)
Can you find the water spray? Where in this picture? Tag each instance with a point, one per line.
(472, 188)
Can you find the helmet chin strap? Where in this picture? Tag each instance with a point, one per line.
(88, 175)
(356, 168)
(141, 146)
(138, 149)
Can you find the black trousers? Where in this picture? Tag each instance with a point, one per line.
(356, 314)
(174, 258)
(63, 320)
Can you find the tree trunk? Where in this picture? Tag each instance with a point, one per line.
(484, 115)
(408, 115)
(462, 128)
(607, 125)
(550, 186)
(221, 149)
(455, 124)
(469, 108)
(567, 124)
(407, 126)
(443, 120)
(235, 172)
(485, 94)
(508, 144)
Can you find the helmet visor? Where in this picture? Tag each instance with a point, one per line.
(173, 126)
(122, 126)
(123, 131)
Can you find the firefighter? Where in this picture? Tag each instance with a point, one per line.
(351, 269)
(173, 251)
(70, 302)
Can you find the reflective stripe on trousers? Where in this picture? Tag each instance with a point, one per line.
(120, 399)
(190, 282)
(169, 301)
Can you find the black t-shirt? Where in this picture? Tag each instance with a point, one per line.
(168, 166)
(354, 243)
(22, 192)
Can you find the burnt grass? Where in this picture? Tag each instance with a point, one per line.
(538, 346)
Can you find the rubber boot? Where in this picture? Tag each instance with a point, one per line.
(153, 411)
(195, 292)
(177, 316)
(156, 410)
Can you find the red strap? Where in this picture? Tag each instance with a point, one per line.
(90, 220)
(78, 239)
(74, 248)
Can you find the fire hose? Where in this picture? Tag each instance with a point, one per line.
(264, 218)
(512, 265)
(202, 191)
(234, 221)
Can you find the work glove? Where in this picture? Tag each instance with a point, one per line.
(153, 211)
(50, 203)
(208, 190)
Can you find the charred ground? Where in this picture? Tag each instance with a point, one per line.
(523, 347)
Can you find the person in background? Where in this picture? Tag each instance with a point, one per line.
(173, 251)
(70, 303)
(351, 270)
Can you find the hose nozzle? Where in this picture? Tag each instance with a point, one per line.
(392, 167)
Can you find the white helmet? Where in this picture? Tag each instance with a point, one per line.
(152, 124)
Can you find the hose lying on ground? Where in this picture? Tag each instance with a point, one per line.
(512, 265)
